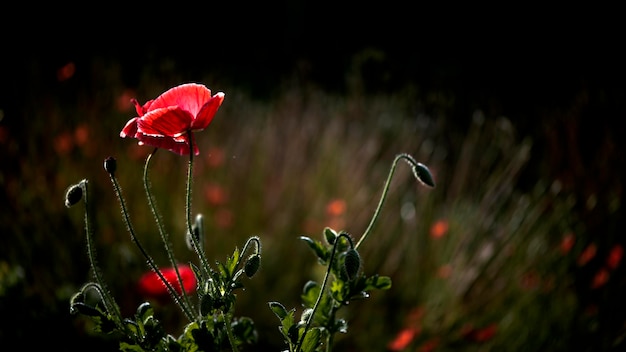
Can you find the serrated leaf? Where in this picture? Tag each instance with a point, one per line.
(233, 261)
(378, 282)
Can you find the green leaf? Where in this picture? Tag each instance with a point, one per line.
(312, 340)
(278, 309)
(309, 293)
(232, 262)
(318, 248)
(330, 235)
(244, 330)
(378, 282)
(126, 347)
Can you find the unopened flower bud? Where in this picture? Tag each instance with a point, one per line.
(252, 265)
(110, 165)
(73, 194)
(352, 263)
(422, 173)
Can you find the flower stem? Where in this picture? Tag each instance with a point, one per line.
(107, 298)
(135, 240)
(164, 237)
(196, 245)
(419, 171)
(319, 296)
(229, 332)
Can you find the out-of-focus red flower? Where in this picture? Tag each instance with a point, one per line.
(439, 229)
(66, 71)
(150, 285)
(429, 345)
(63, 143)
(615, 257)
(567, 242)
(215, 194)
(588, 253)
(403, 339)
(81, 134)
(166, 122)
(600, 278)
(336, 207)
(482, 334)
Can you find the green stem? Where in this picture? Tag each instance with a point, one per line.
(107, 298)
(419, 171)
(164, 237)
(229, 332)
(319, 296)
(135, 240)
(196, 245)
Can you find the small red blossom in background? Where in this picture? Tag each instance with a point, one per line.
(588, 253)
(215, 194)
(150, 285)
(66, 71)
(480, 335)
(601, 278)
(615, 257)
(167, 121)
(403, 339)
(412, 329)
(439, 229)
(567, 243)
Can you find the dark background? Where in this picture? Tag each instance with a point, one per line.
(557, 73)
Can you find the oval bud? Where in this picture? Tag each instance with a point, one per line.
(352, 263)
(110, 165)
(73, 195)
(252, 265)
(422, 173)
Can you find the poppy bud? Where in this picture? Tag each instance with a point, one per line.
(352, 263)
(422, 173)
(252, 265)
(74, 194)
(110, 165)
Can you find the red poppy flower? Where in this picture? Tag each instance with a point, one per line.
(150, 285)
(165, 122)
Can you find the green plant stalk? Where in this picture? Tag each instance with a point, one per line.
(135, 240)
(229, 332)
(164, 237)
(196, 245)
(324, 282)
(107, 298)
(414, 165)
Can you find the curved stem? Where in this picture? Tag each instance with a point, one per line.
(149, 259)
(107, 298)
(163, 234)
(319, 296)
(419, 171)
(196, 244)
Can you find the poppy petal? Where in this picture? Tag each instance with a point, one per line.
(207, 112)
(171, 121)
(190, 97)
(130, 130)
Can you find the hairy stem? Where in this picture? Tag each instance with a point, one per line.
(135, 240)
(107, 298)
(195, 242)
(164, 237)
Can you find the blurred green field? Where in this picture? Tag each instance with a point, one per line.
(516, 249)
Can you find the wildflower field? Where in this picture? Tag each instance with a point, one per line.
(518, 247)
